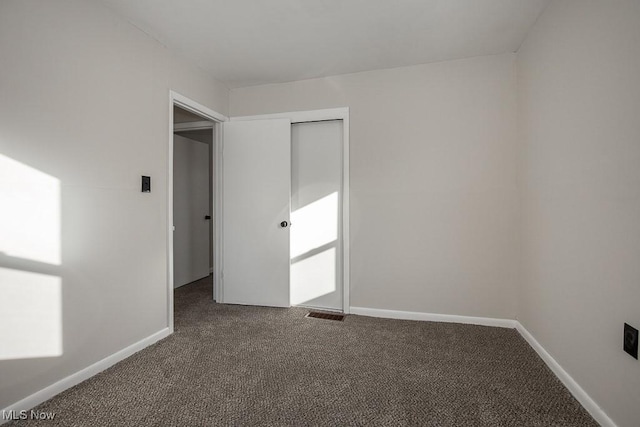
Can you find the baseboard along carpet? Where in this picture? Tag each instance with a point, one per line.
(237, 365)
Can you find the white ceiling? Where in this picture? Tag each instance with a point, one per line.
(250, 42)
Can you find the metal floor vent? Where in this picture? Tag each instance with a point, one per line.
(326, 316)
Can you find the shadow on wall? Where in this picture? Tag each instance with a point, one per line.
(30, 262)
(314, 244)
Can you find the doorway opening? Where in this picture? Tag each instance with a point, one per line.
(193, 138)
(255, 256)
(194, 198)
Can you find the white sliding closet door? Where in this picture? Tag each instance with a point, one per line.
(316, 214)
(256, 208)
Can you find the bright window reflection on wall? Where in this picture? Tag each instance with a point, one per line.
(313, 277)
(314, 236)
(30, 213)
(314, 225)
(30, 302)
(31, 318)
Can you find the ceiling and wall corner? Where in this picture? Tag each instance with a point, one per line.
(245, 43)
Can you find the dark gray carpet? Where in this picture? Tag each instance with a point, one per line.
(235, 365)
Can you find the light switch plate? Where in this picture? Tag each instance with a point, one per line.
(631, 340)
(146, 184)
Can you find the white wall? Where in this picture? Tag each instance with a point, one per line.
(85, 99)
(191, 202)
(435, 220)
(579, 92)
(434, 203)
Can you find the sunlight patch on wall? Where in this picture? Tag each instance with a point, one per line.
(313, 277)
(31, 315)
(314, 225)
(30, 213)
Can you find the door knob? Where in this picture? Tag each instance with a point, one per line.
(284, 224)
(207, 217)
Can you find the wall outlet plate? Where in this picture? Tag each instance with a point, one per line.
(631, 340)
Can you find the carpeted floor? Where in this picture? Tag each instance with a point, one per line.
(235, 365)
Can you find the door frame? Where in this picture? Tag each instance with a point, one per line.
(317, 116)
(176, 99)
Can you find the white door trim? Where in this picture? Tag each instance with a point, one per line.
(175, 99)
(316, 116)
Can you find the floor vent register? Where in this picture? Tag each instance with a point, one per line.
(326, 316)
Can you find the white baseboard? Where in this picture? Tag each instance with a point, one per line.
(578, 392)
(431, 317)
(86, 373)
